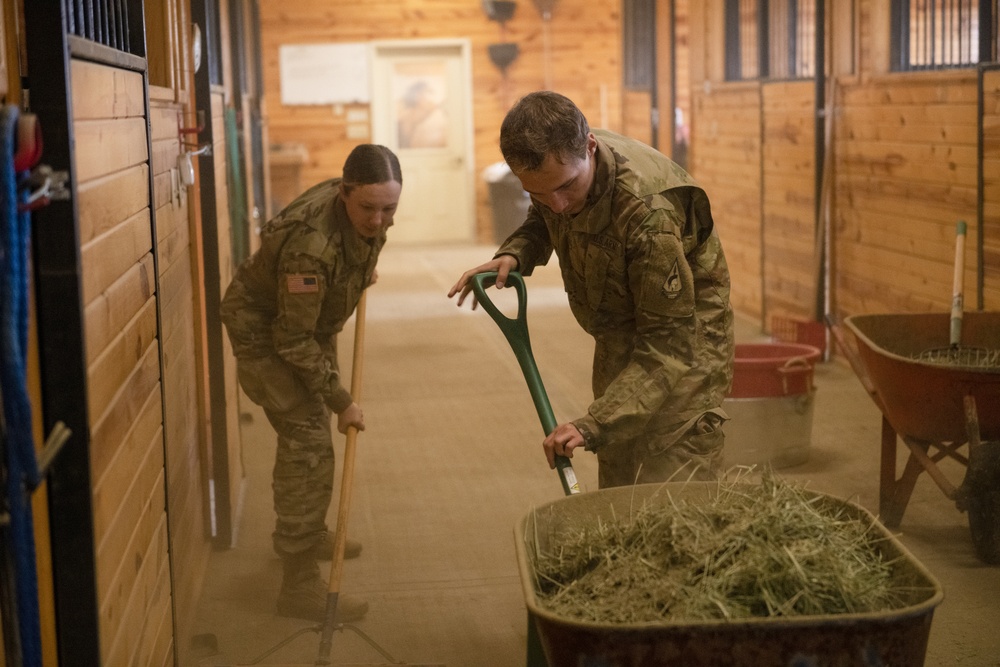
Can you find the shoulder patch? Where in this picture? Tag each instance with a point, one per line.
(668, 283)
(672, 285)
(302, 283)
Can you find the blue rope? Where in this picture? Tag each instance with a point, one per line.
(21, 462)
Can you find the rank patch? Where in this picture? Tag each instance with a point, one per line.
(299, 283)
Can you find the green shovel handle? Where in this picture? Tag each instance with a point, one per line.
(516, 333)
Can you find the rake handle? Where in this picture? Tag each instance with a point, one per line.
(957, 293)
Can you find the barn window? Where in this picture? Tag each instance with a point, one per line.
(106, 22)
(770, 39)
(639, 19)
(942, 34)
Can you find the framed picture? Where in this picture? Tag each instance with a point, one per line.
(420, 95)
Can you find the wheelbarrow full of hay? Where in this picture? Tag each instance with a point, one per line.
(942, 401)
(875, 636)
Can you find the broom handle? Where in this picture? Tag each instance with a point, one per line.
(957, 305)
(346, 485)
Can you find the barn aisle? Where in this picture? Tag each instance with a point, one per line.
(451, 461)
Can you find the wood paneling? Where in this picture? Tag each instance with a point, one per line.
(584, 57)
(121, 94)
(123, 359)
(185, 481)
(991, 188)
(906, 171)
(106, 146)
(789, 230)
(636, 122)
(726, 152)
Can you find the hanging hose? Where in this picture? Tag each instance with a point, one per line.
(20, 465)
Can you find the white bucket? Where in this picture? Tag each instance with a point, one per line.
(770, 430)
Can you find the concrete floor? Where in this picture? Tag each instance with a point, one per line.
(451, 461)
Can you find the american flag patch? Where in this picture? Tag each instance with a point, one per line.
(302, 284)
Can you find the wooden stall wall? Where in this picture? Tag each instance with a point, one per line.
(726, 152)
(991, 187)
(904, 161)
(123, 362)
(181, 305)
(583, 56)
(905, 174)
(636, 110)
(791, 259)
(185, 474)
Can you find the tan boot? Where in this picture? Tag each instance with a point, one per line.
(304, 594)
(323, 550)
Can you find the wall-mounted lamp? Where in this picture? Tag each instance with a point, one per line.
(500, 11)
(503, 54)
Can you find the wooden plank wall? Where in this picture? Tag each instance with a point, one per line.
(789, 230)
(186, 474)
(726, 162)
(584, 59)
(905, 170)
(636, 106)
(904, 163)
(123, 362)
(991, 188)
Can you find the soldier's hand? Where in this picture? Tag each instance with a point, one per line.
(352, 416)
(503, 265)
(561, 442)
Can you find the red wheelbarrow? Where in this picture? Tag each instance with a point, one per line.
(935, 409)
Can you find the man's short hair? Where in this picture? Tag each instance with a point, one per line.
(543, 123)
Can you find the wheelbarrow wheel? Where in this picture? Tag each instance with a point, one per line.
(981, 492)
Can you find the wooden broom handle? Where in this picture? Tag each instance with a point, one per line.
(347, 477)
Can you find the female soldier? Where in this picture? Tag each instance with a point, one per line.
(283, 311)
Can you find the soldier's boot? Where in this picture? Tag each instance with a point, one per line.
(323, 550)
(304, 594)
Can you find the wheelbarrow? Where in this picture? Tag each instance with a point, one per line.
(935, 409)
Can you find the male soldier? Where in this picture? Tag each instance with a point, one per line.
(283, 311)
(645, 276)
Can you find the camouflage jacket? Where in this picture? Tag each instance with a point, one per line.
(293, 296)
(645, 276)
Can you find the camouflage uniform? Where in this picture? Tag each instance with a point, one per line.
(283, 311)
(645, 276)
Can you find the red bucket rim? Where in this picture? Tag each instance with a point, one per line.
(775, 353)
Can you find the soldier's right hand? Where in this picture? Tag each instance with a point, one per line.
(352, 416)
(503, 265)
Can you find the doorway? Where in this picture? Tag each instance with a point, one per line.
(422, 110)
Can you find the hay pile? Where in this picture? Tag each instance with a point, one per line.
(754, 550)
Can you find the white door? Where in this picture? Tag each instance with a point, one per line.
(422, 110)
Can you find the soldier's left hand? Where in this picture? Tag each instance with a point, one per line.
(561, 442)
(352, 416)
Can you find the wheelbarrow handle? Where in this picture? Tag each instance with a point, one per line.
(515, 330)
(853, 358)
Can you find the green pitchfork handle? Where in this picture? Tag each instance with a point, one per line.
(516, 332)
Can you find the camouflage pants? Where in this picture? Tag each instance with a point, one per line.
(697, 454)
(302, 479)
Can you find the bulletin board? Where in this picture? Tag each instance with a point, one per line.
(324, 74)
